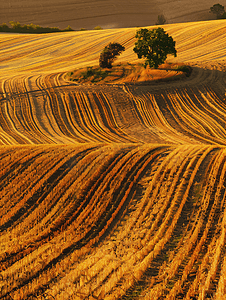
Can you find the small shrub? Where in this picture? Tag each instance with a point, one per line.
(69, 73)
(15, 25)
(94, 74)
(87, 73)
(30, 28)
(68, 28)
(109, 54)
(98, 28)
(186, 69)
(161, 20)
(4, 28)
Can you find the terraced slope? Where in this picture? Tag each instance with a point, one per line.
(112, 191)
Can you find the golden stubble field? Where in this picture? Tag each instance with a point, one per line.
(112, 191)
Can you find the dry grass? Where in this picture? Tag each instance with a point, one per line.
(125, 73)
(112, 191)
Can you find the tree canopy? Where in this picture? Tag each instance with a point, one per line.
(218, 10)
(109, 54)
(154, 45)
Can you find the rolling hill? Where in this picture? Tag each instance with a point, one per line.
(107, 14)
(112, 191)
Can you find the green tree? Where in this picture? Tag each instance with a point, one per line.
(218, 10)
(109, 54)
(154, 45)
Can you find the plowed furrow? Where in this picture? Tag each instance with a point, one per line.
(112, 191)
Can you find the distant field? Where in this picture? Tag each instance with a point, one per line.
(112, 191)
(107, 14)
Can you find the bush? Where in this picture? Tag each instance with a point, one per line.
(94, 74)
(97, 28)
(109, 54)
(30, 28)
(4, 28)
(161, 20)
(88, 73)
(68, 28)
(15, 25)
(186, 69)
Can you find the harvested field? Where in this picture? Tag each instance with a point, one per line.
(112, 191)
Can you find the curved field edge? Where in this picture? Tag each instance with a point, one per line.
(63, 52)
(46, 110)
(129, 73)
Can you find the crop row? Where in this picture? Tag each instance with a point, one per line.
(46, 110)
(98, 217)
(62, 193)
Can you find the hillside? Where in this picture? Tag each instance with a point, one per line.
(107, 14)
(112, 191)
